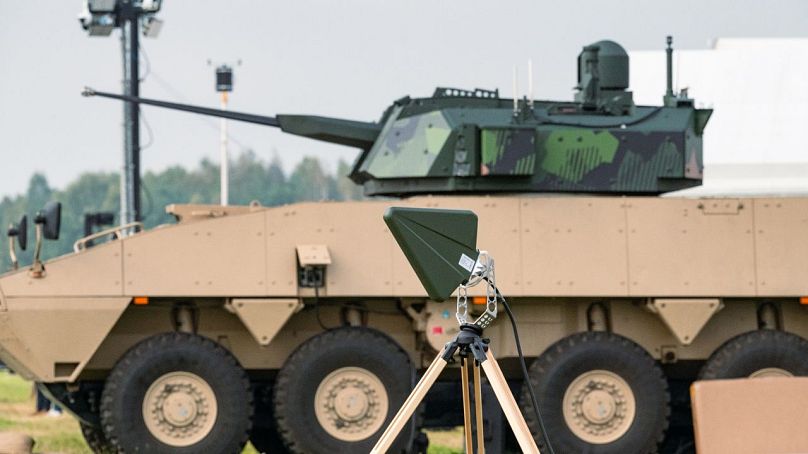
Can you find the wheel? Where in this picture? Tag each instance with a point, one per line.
(96, 440)
(598, 393)
(177, 393)
(338, 391)
(264, 435)
(763, 353)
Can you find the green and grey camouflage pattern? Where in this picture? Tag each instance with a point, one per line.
(461, 141)
(475, 141)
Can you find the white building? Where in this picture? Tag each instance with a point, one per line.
(757, 139)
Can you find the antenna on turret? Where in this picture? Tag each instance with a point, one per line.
(515, 92)
(530, 82)
(669, 67)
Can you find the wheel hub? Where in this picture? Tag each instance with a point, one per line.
(351, 404)
(179, 409)
(599, 406)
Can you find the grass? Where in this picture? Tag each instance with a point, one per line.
(13, 390)
(61, 434)
(52, 434)
(445, 441)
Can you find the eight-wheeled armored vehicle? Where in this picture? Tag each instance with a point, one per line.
(303, 328)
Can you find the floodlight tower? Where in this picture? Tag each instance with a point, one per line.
(99, 18)
(224, 85)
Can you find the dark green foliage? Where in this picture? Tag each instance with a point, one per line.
(250, 179)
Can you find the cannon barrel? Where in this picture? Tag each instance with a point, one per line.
(352, 133)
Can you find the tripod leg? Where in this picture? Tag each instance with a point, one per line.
(478, 409)
(409, 406)
(464, 380)
(509, 407)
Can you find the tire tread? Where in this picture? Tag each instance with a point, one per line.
(310, 347)
(733, 350)
(543, 365)
(142, 351)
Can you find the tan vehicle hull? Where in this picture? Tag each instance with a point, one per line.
(677, 276)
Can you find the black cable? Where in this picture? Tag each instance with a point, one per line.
(207, 120)
(533, 400)
(146, 60)
(148, 130)
(368, 310)
(145, 188)
(317, 307)
(166, 86)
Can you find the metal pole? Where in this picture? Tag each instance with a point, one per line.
(224, 164)
(126, 167)
(134, 58)
(130, 173)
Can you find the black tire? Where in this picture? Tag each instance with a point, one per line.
(313, 361)
(568, 359)
(145, 363)
(751, 352)
(96, 440)
(264, 435)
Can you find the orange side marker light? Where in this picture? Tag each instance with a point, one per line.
(141, 300)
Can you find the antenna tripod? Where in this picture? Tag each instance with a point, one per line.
(474, 353)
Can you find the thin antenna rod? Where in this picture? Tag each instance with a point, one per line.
(530, 82)
(669, 52)
(515, 91)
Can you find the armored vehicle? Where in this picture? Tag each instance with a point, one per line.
(303, 328)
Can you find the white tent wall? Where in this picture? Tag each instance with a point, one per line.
(756, 141)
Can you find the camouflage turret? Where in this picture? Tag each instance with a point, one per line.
(473, 141)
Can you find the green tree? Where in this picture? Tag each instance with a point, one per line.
(279, 192)
(250, 179)
(348, 189)
(308, 182)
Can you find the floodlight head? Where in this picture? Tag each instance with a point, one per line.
(151, 26)
(441, 245)
(224, 78)
(101, 6)
(151, 6)
(97, 24)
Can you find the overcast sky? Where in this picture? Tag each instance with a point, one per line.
(347, 58)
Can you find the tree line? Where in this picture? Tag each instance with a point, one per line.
(250, 179)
